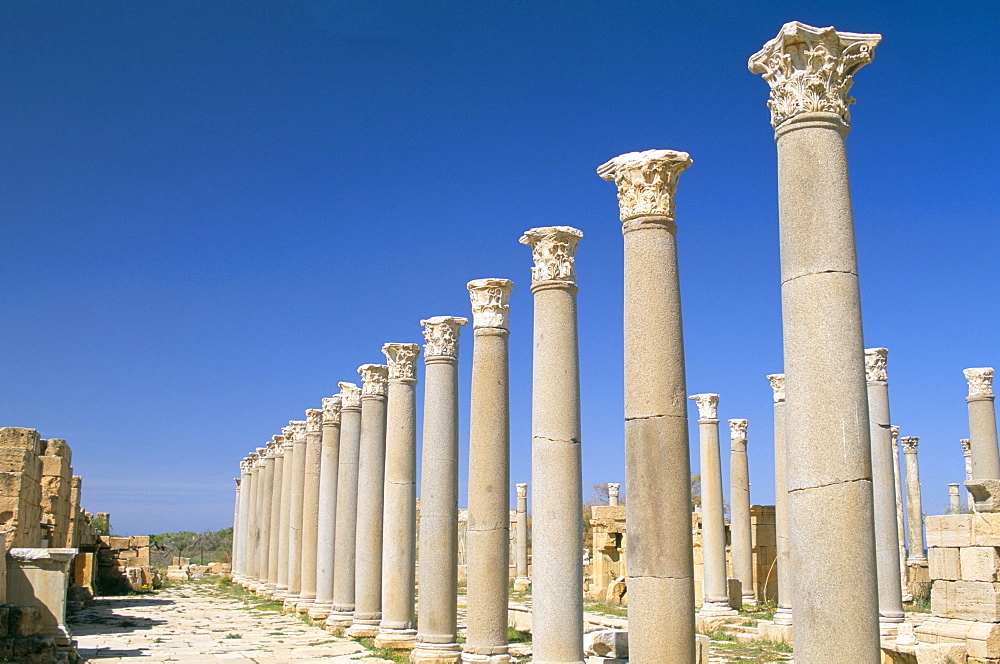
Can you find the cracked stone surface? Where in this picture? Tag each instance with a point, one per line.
(189, 623)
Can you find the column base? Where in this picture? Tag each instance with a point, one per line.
(318, 613)
(783, 616)
(303, 605)
(288, 606)
(269, 591)
(396, 639)
(436, 653)
(749, 600)
(521, 584)
(280, 594)
(363, 629)
(470, 658)
(339, 620)
(773, 632)
(716, 610)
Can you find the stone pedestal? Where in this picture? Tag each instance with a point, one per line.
(327, 514)
(982, 424)
(829, 448)
(371, 496)
(295, 506)
(274, 540)
(783, 611)
(739, 506)
(437, 638)
(657, 462)
(39, 578)
(521, 580)
(310, 509)
(344, 556)
(914, 506)
(487, 538)
(556, 474)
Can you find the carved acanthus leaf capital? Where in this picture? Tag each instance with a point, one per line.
(966, 446)
(287, 435)
(708, 405)
(522, 490)
(374, 380)
(811, 70)
(441, 335)
(875, 364)
(646, 181)
(980, 381)
(613, 489)
(553, 249)
(331, 409)
(909, 444)
(350, 395)
(738, 430)
(894, 432)
(298, 428)
(314, 420)
(279, 444)
(490, 302)
(261, 457)
(777, 387)
(402, 360)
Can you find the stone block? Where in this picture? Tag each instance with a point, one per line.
(944, 563)
(701, 649)
(35, 648)
(53, 466)
(943, 599)
(137, 541)
(980, 563)
(23, 620)
(941, 653)
(949, 530)
(21, 437)
(4, 620)
(977, 600)
(15, 459)
(985, 529)
(118, 543)
(606, 643)
(6, 649)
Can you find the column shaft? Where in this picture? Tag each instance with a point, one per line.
(982, 424)
(345, 548)
(715, 596)
(521, 582)
(904, 571)
(259, 540)
(310, 509)
(295, 507)
(327, 516)
(914, 506)
(783, 612)
(281, 590)
(249, 562)
(240, 538)
(739, 498)
(274, 538)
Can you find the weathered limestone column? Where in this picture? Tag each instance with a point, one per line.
(982, 424)
(613, 489)
(828, 458)
(240, 536)
(259, 575)
(556, 470)
(657, 463)
(487, 544)
(344, 555)
(521, 581)
(281, 590)
(295, 505)
(739, 506)
(371, 495)
(904, 571)
(890, 593)
(914, 508)
(783, 611)
(437, 638)
(954, 500)
(310, 509)
(247, 538)
(967, 453)
(327, 516)
(264, 548)
(274, 539)
(397, 629)
(715, 595)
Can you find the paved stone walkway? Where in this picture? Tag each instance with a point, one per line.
(191, 623)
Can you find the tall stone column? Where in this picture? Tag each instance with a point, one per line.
(613, 488)
(890, 593)
(783, 611)
(657, 463)
(310, 509)
(344, 556)
(739, 506)
(240, 534)
(982, 424)
(327, 516)
(914, 508)
(371, 496)
(487, 544)
(904, 571)
(967, 453)
(556, 470)
(249, 535)
(715, 595)
(521, 581)
(281, 590)
(259, 539)
(809, 71)
(437, 638)
(274, 497)
(397, 629)
(954, 500)
(295, 505)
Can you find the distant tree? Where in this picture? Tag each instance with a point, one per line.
(101, 525)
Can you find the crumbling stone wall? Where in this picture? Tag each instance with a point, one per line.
(57, 475)
(20, 486)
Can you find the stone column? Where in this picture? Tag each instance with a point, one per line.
(556, 471)
(954, 500)
(371, 488)
(715, 595)
(914, 508)
(295, 505)
(264, 548)
(904, 571)
(982, 424)
(739, 506)
(657, 463)
(809, 71)
(967, 453)
(240, 536)
(521, 581)
(274, 540)
(437, 638)
(327, 515)
(613, 488)
(344, 555)
(258, 575)
(890, 593)
(310, 509)
(487, 542)
(281, 590)
(783, 611)
(247, 536)
(236, 530)
(397, 629)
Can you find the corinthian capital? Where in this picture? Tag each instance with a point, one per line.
(331, 409)
(646, 181)
(350, 396)
(966, 446)
(441, 335)
(980, 381)
(708, 405)
(490, 302)
(279, 445)
(374, 379)
(777, 387)
(894, 431)
(811, 70)
(738, 430)
(909, 444)
(287, 433)
(314, 420)
(402, 359)
(261, 457)
(552, 249)
(613, 489)
(522, 490)
(875, 364)
(298, 430)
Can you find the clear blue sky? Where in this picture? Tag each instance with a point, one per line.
(215, 211)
